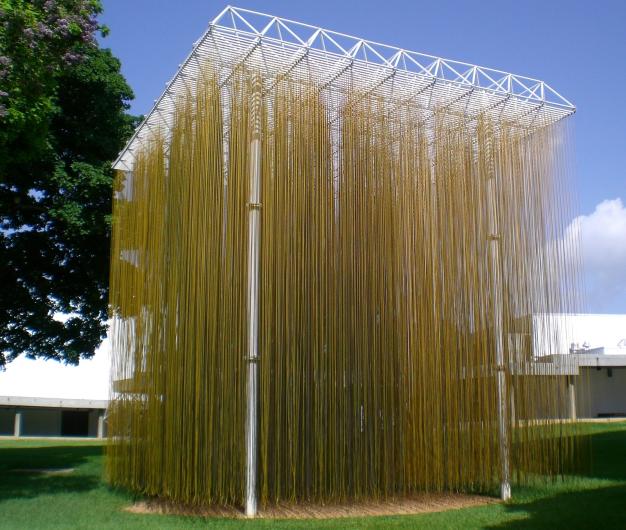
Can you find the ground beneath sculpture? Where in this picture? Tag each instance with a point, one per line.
(426, 503)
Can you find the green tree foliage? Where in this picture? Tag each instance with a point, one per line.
(63, 119)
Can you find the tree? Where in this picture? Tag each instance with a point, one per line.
(63, 104)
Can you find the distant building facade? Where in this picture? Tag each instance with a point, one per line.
(41, 417)
(593, 347)
(48, 399)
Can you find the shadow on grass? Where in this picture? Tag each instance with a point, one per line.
(16, 481)
(598, 508)
(591, 503)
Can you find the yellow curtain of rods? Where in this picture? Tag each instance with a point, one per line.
(377, 349)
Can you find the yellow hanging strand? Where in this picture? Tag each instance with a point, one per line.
(378, 364)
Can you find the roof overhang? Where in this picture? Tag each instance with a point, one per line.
(23, 401)
(587, 360)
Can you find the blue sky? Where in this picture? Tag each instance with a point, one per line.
(577, 47)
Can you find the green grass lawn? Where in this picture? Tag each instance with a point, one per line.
(81, 500)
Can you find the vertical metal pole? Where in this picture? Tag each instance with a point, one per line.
(254, 230)
(571, 394)
(496, 297)
(17, 424)
(512, 398)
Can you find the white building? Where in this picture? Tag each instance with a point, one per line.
(47, 398)
(594, 346)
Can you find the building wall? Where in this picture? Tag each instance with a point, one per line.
(93, 422)
(38, 379)
(7, 421)
(41, 422)
(598, 394)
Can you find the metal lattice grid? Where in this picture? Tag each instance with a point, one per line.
(341, 63)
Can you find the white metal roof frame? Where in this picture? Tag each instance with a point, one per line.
(277, 45)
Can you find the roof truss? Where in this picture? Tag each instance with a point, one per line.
(336, 60)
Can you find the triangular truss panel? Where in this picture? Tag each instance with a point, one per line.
(340, 63)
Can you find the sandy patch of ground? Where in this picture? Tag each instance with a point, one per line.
(416, 504)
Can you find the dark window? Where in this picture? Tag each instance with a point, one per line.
(75, 423)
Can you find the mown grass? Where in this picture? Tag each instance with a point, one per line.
(81, 500)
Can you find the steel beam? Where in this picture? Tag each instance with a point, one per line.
(254, 233)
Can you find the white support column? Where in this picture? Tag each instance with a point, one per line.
(571, 395)
(512, 398)
(100, 433)
(254, 232)
(496, 297)
(17, 424)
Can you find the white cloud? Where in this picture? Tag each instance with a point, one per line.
(602, 237)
